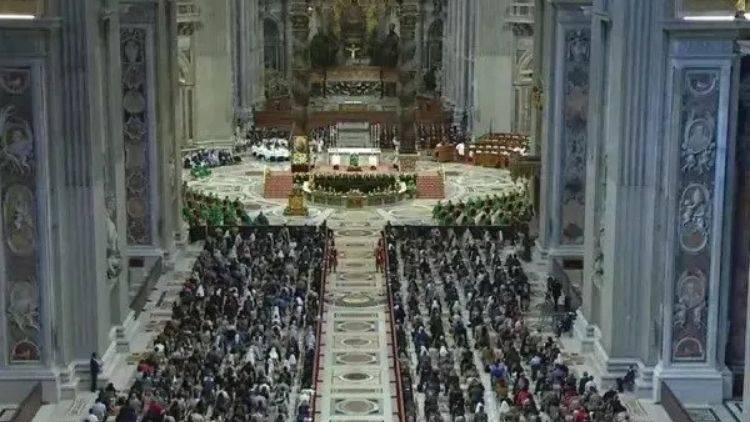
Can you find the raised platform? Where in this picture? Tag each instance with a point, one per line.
(279, 184)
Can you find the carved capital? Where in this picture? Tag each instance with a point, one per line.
(522, 29)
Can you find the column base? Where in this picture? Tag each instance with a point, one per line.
(124, 333)
(574, 252)
(584, 332)
(541, 250)
(407, 162)
(693, 385)
(215, 143)
(17, 383)
(607, 368)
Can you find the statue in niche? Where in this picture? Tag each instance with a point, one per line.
(389, 49)
(323, 49)
(114, 257)
(354, 28)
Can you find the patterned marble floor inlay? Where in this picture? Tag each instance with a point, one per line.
(357, 326)
(357, 407)
(357, 358)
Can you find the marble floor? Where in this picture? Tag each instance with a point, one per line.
(356, 378)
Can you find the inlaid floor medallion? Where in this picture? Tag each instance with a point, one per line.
(357, 407)
(356, 326)
(356, 358)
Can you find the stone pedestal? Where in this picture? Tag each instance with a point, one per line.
(407, 162)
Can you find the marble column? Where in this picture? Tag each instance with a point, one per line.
(169, 161)
(300, 55)
(188, 20)
(248, 42)
(565, 77)
(409, 71)
(746, 383)
(737, 333)
(114, 177)
(137, 40)
(493, 63)
(697, 195)
(619, 317)
(214, 82)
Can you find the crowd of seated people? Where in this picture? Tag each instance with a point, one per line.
(208, 158)
(241, 344)
(201, 210)
(269, 144)
(510, 209)
(273, 149)
(461, 303)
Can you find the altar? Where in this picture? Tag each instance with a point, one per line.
(369, 157)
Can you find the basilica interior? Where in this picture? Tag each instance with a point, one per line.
(374, 210)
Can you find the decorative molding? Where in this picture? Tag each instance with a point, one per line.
(21, 250)
(574, 132)
(137, 134)
(697, 93)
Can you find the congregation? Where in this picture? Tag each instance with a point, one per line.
(461, 306)
(210, 158)
(242, 341)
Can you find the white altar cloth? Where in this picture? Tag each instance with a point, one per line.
(370, 156)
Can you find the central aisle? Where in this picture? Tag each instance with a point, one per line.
(356, 380)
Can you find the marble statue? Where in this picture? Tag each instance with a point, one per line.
(390, 48)
(114, 257)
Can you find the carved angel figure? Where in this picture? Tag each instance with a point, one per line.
(694, 210)
(114, 258)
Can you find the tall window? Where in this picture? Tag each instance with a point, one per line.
(272, 51)
(434, 47)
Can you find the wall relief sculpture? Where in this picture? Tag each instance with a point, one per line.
(20, 207)
(689, 316)
(697, 166)
(17, 142)
(695, 217)
(114, 257)
(22, 306)
(136, 132)
(698, 146)
(19, 222)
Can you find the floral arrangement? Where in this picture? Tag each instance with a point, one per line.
(299, 158)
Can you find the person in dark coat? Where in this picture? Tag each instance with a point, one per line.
(96, 368)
